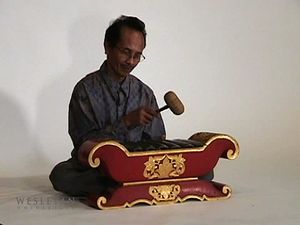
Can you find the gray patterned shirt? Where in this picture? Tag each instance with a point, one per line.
(98, 103)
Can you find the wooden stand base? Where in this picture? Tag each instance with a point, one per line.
(162, 192)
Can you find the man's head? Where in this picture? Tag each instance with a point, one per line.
(124, 42)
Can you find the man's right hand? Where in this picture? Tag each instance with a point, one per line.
(140, 116)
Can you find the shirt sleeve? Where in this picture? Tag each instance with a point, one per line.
(82, 121)
(156, 129)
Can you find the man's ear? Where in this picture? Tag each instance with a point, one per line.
(107, 47)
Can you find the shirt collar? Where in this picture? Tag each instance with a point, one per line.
(113, 84)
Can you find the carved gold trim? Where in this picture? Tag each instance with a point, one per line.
(96, 162)
(230, 154)
(164, 166)
(160, 181)
(210, 137)
(102, 200)
(225, 190)
(165, 193)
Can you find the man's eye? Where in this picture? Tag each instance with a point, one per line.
(126, 51)
(137, 56)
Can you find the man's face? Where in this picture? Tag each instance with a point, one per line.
(125, 56)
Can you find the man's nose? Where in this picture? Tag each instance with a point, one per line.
(130, 60)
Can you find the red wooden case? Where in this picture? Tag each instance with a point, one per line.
(162, 175)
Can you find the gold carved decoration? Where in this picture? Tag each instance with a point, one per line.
(164, 166)
(153, 191)
(164, 193)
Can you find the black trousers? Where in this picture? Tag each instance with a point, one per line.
(72, 179)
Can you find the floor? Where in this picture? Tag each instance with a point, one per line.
(268, 197)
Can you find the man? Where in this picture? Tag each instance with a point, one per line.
(109, 104)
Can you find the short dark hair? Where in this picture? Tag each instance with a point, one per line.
(113, 32)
